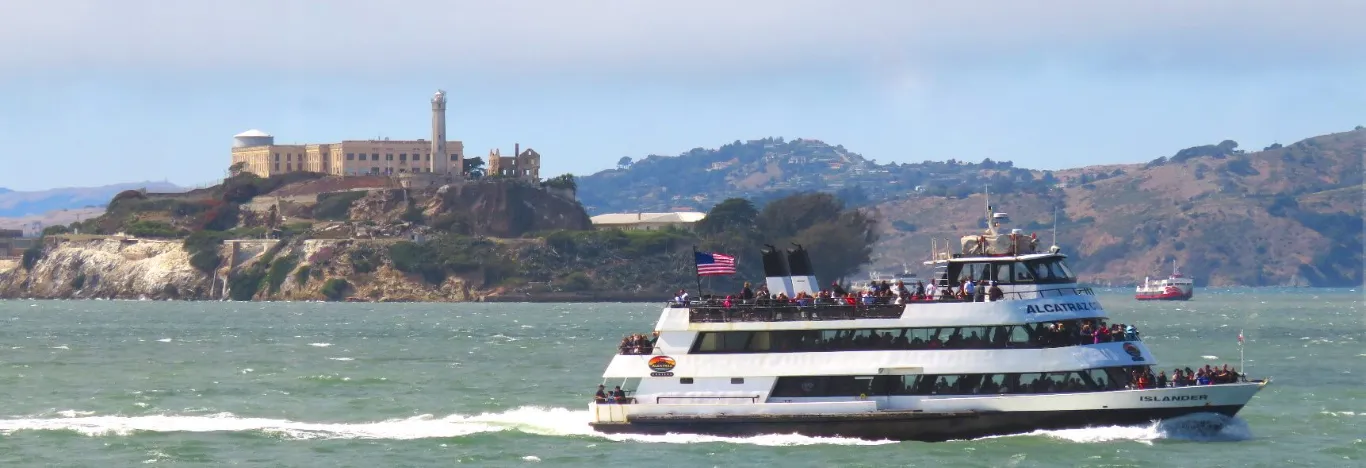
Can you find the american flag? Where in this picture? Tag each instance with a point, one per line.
(710, 264)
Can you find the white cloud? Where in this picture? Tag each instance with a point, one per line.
(703, 36)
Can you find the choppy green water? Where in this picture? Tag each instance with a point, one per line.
(97, 383)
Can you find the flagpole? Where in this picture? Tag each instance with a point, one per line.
(697, 272)
(1242, 366)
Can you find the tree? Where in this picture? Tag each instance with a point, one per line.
(731, 214)
(786, 216)
(474, 167)
(624, 162)
(236, 168)
(563, 181)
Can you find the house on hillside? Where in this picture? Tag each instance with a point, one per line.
(647, 221)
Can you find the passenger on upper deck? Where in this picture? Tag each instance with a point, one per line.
(747, 294)
(995, 293)
(682, 297)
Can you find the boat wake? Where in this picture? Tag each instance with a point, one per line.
(529, 419)
(1200, 427)
(555, 422)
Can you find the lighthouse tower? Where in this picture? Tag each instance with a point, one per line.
(441, 161)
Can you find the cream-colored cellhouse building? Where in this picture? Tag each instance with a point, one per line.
(257, 153)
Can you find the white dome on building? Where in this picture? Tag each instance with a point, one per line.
(251, 138)
(252, 133)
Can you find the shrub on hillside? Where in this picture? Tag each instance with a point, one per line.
(336, 206)
(364, 259)
(335, 289)
(31, 257)
(279, 271)
(156, 229)
(410, 257)
(301, 276)
(203, 249)
(242, 286)
(454, 223)
(576, 281)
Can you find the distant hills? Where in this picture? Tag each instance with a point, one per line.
(17, 204)
(1286, 215)
(773, 167)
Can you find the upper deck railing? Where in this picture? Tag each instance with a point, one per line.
(768, 310)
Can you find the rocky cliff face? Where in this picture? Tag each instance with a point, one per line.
(261, 270)
(510, 208)
(107, 268)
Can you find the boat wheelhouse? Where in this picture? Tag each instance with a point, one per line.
(1028, 349)
(1174, 288)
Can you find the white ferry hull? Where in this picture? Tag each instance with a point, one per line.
(948, 418)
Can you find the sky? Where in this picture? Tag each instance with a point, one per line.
(101, 92)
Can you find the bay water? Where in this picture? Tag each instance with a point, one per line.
(124, 383)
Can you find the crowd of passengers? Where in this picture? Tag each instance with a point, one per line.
(616, 396)
(638, 344)
(884, 292)
(1144, 378)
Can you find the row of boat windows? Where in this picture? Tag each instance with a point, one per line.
(1043, 271)
(1090, 380)
(1036, 335)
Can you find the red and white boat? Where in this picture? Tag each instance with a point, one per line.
(1174, 288)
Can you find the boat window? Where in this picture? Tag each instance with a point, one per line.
(1022, 273)
(1059, 272)
(945, 385)
(1020, 336)
(1039, 335)
(685, 380)
(991, 383)
(630, 385)
(708, 343)
(1050, 270)
(1066, 272)
(737, 380)
(1041, 272)
(1097, 379)
(1003, 273)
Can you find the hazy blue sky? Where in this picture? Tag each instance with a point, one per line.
(111, 91)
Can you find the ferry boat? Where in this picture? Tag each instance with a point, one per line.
(945, 367)
(1175, 288)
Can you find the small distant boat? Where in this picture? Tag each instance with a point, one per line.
(1175, 288)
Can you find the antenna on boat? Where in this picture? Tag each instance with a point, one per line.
(1055, 225)
(986, 192)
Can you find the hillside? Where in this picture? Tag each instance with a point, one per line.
(14, 204)
(1284, 215)
(1288, 215)
(302, 236)
(762, 170)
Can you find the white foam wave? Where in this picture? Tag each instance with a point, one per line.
(341, 359)
(320, 345)
(530, 420)
(560, 422)
(1342, 413)
(1201, 427)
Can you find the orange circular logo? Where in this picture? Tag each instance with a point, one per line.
(662, 363)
